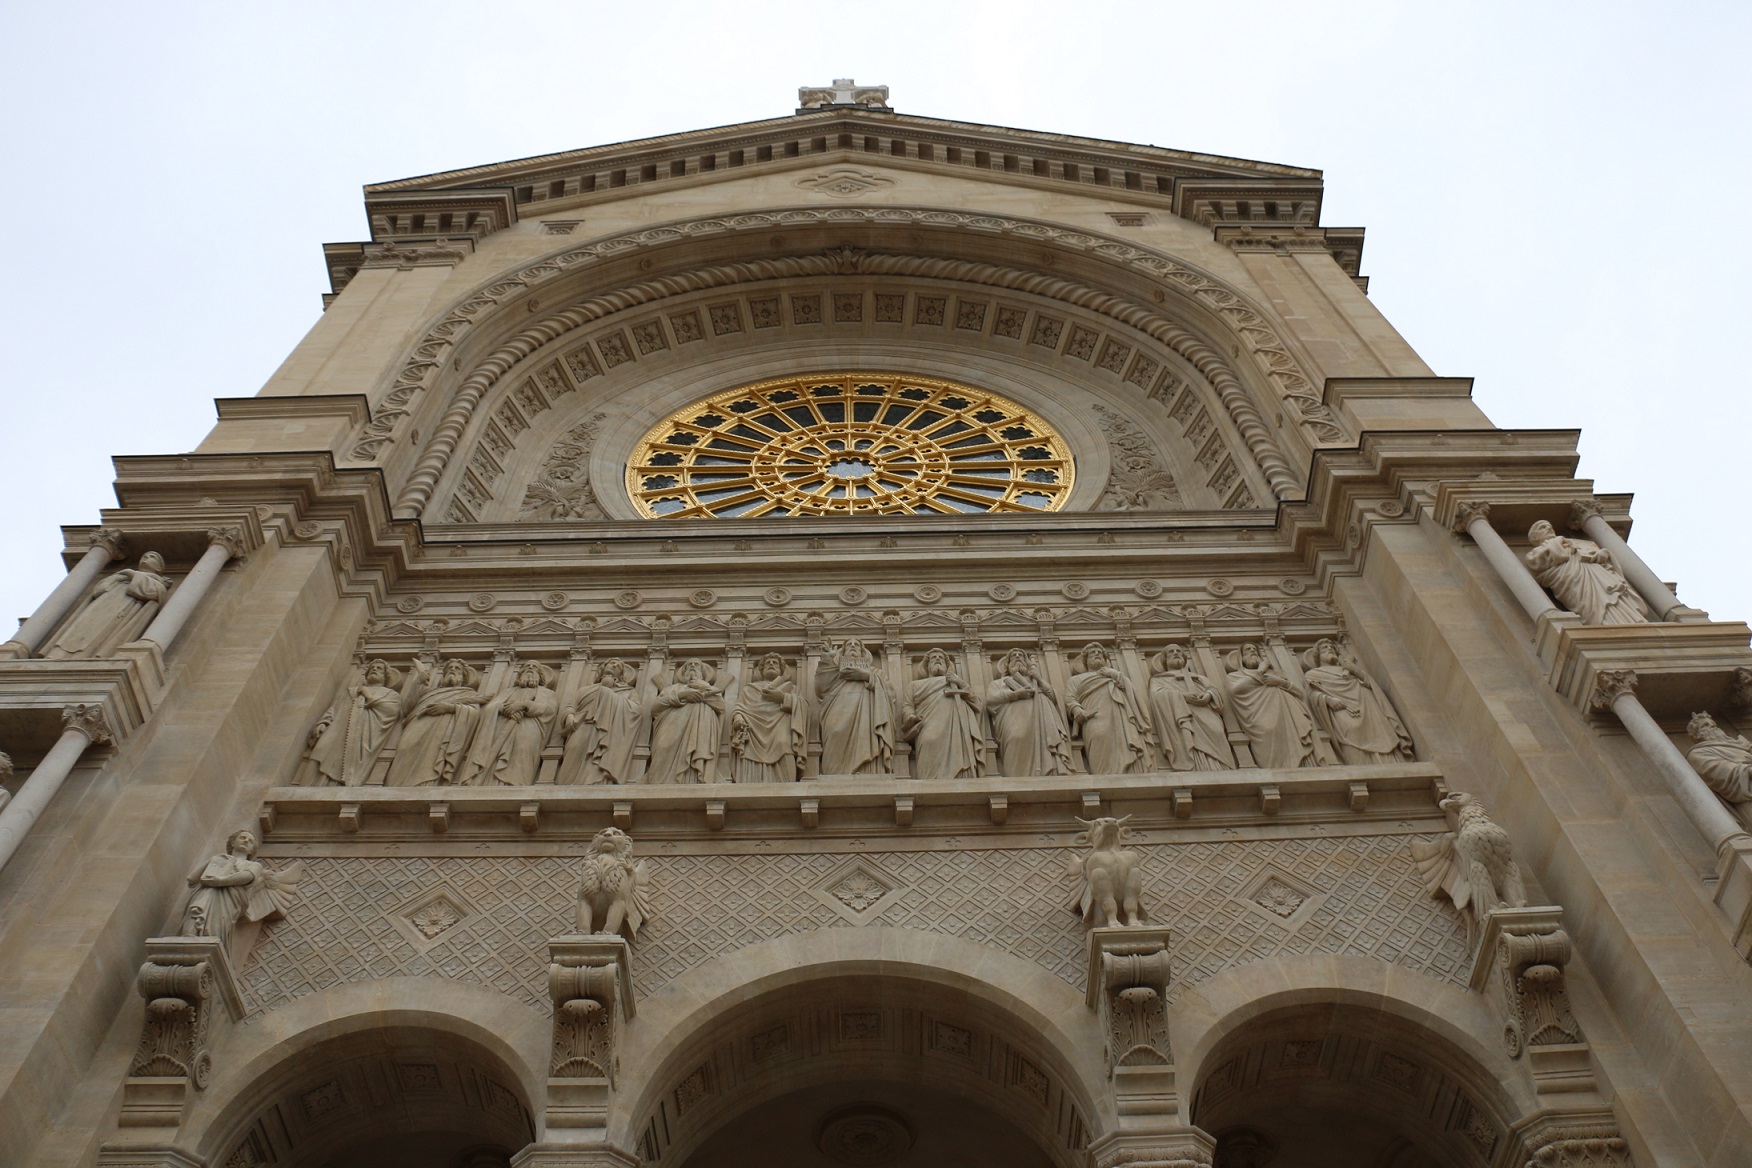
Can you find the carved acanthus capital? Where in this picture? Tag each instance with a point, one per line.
(229, 538)
(1470, 512)
(187, 982)
(1128, 983)
(1610, 685)
(1183, 1147)
(1575, 1138)
(1742, 686)
(90, 721)
(1524, 954)
(590, 982)
(1581, 509)
(110, 540)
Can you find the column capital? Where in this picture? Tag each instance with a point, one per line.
(110, 540)
(1470, 510)
(230, 538)
(90, 721)
(1610, 685)
(1582, 509)
(1742, 684)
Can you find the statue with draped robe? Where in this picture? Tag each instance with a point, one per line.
(1581, 574)
(603, 728)
(1116, 737)
(942, 722)
(1032, 736)
(1347, 704)
(1270, 709)
(438, 727)
(857, 712)
(233, 888)
(348, 739)
(769, 732)
(684, 726)
(116, 611)
(1723, 761)
(1187, 713)
(514, 728)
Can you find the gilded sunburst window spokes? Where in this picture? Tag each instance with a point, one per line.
(849, 444)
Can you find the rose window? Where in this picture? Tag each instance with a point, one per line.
(849, 444)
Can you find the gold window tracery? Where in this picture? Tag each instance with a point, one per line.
(849, 444)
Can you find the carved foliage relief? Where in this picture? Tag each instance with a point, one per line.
(1363, 898)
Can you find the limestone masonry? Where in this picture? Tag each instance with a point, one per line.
(864, 640)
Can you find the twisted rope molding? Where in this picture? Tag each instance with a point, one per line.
(1248, 324)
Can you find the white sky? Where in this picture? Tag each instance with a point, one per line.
(1554, 192)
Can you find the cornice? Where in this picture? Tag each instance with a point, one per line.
(814, 123)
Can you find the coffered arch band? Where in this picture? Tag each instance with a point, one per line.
(484, 332)
(567, 391)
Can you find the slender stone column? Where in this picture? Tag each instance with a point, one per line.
(106, 545)
(227, 542)
(85, 725)
(1474, 519)
(1585, 514)
(1615, 690)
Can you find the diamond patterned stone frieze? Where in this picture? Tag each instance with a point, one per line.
(486, 919)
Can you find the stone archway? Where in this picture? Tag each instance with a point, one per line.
(395, 1096)
(857, 1042)
(1314, 1084)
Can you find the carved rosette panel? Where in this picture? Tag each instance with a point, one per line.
(1369, 902)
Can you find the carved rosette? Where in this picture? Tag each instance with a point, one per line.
(173, 1043)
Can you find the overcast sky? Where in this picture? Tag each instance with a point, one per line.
(1553, 191)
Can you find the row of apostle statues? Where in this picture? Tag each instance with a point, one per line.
(839, 712)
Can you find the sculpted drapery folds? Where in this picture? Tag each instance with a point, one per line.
(1116, 738)
(232, 888)
(857, 712)
(602, 728)
(118, 610)
(1270, 709)
(514, 727)
(1581, 574)
(1352, 710)
(1186, 710)
(942, 722)
(1472, 864)
(346, 741)
(684, 726)
(439, 726)
(1722, 761)
(1031, 733)
(769, 734)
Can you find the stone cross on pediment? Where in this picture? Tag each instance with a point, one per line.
(843, 93)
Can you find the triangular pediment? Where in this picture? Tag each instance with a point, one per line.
(476, 201)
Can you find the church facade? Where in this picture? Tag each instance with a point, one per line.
(861, 639)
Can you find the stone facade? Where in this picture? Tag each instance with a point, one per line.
(862, 639)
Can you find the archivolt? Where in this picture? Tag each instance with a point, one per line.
(1248, 324)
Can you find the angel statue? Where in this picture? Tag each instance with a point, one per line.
(1109, 880)
(612, 888)
(1473, 864)
(233, 888)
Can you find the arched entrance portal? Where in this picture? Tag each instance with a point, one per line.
(864, 1069)
(391, 1097)
(1326, 1085)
